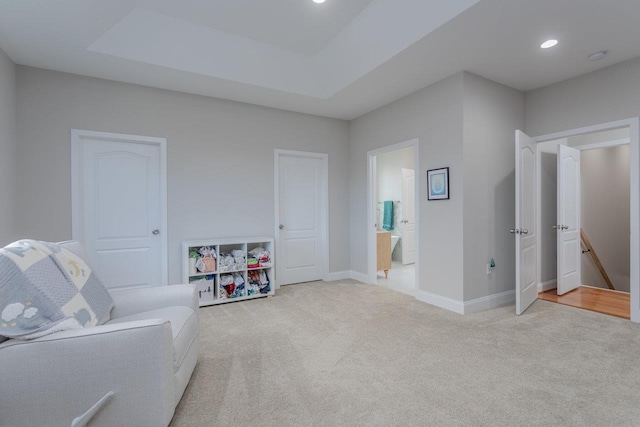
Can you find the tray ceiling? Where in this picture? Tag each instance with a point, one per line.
(341, 58)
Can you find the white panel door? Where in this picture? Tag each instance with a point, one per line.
(301, 219)
(120, 211)
(525, 230)
(408, 243)
(568, 228)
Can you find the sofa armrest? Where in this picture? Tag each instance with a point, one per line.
(132, 301)
(68, 372)
(92, 332)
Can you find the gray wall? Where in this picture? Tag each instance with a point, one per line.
(605, 184)
(610, 94)
(492, 113)
(434, 116)
(220, 157)
(7, 148)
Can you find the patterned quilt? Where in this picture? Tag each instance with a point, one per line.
(46, 288)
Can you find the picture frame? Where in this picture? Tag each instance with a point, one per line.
(438, 184)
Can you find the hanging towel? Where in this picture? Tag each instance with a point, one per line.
(387, 221)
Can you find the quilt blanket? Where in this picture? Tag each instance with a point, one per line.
(45, 288)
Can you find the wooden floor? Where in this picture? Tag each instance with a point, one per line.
(605, 301)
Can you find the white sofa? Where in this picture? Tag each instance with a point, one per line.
(131, 371)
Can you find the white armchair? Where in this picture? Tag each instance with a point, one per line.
(131, 371)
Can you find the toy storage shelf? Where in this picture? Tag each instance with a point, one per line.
(211, 284)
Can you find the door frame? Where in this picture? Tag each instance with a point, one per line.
(634, 176)
(77, 138)
(414, 210)
(372, 208)
(324, 209)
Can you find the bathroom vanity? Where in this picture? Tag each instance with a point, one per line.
(384, 252)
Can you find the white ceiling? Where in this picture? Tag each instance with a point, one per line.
(297, 25)
(339, 59)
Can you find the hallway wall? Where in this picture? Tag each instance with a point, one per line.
(434, 116)
(466, 123)
(605, 214)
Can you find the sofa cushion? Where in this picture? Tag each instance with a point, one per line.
(184, 327)
(45, 288)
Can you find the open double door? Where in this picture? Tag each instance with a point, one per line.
(526, 227)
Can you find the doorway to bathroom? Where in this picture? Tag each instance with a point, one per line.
(392, 217)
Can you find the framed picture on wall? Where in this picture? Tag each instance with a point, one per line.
(438, 184)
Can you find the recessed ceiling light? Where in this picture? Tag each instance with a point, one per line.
(318, 1)
(549, 43)
(597, 55)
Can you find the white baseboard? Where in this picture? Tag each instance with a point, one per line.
(473, 306)
(467, 307)
(347, 274)
(547, 286)
(440, 301)
(338, 275)
(359, 277)
(489, 302)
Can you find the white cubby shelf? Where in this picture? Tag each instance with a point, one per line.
(216, 287)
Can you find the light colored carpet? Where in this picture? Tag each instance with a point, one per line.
(348, 354)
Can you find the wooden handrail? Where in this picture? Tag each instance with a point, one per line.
(596, 260)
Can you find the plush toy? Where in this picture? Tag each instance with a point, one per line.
(207, 261)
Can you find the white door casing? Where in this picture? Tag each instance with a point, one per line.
(526, 223)
(568, 223)
(301, 216)
(119, 206)
(408, 243)
(634, 182)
